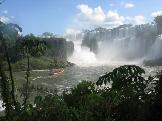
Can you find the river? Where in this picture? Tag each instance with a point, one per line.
(72, 76)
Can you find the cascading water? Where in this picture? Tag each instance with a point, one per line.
(125, 44)
(82, 56)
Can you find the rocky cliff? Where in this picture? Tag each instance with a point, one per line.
(59, 48)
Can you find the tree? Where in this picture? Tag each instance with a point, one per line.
(8, 33)
(134, 92)
(32, 46)
(48, 35)
(5, 92)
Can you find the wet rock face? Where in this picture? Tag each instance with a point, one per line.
(59, 48)
(91, 43)
(70, 48)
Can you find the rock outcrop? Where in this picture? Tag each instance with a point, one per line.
(59, 48)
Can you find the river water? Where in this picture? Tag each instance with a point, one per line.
(72, 76)
(69, 78)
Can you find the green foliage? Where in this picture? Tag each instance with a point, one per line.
(48, 35)
(128, 79)
(79, 94)
(89, 104)
(33, 45)
(39, 63)
(5, 93)
(8, 33)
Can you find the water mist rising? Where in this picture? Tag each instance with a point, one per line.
(82, 56)
(125, 44)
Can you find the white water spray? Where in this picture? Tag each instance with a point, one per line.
(82, 56)
(117, 46)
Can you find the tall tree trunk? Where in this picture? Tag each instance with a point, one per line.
(27, 80)
(11, 76)
(5, 93)
(10, 71)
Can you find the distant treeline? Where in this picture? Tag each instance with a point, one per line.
(56, 51)
(58, 48)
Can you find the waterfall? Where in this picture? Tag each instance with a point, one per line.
(125, 44)
(82, 56)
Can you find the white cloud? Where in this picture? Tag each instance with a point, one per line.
(85, 9)
(5, 11)
(114, 16)
(157, 13)
(4, 19)
(129, 5)
(87, 14)
(97, 17)
(88, 17)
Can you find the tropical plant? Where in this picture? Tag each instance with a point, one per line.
(8, 33)
(32, 46)
(132, 89)
(5, 93)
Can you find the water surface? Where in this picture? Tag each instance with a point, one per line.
(71, 76)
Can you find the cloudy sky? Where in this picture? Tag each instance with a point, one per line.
(66, 16)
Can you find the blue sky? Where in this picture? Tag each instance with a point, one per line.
(60, 16)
